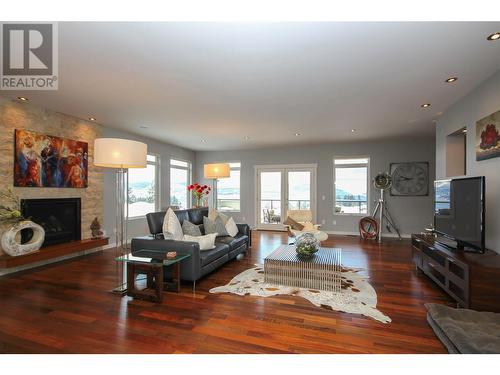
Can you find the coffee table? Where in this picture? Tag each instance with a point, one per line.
(151, 263)
(322, 272)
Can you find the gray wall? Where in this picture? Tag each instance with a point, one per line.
(412, 214)
(138, 226)
(481, 102)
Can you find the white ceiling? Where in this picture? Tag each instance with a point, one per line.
(224, 81)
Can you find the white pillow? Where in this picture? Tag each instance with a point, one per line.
(172, 225)
(231, 227)
(213, 213)
(206, 242)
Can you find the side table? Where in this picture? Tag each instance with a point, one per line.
(151, 263)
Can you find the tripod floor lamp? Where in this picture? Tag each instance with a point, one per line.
(120, 154)
(214, 172)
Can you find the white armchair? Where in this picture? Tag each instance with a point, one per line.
(304, 217)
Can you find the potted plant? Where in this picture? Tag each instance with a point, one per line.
(199, 192)
(10, 214)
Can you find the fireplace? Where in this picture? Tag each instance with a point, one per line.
(59, 217)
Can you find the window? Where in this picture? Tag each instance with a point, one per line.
(143, 191)
(351, 185)
(180, 178)
(228, 190)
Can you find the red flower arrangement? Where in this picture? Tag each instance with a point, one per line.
(489, 137)
(199, 191)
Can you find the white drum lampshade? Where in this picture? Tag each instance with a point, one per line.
(119, 153)
(214, 171)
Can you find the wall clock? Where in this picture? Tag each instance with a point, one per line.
(410, 179)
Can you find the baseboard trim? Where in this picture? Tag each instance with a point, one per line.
(345, 233)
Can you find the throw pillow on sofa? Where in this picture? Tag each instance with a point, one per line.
(206, 242)
(214, 226)
(190, 229)
(172, 226)
(231, 227)
(213, 213)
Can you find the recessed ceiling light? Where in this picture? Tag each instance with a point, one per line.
(297, 134)
(353, 130)
(425, 105)
(464, 131)
(203, 141)
(144, 126)
(22, 98)
(494, 36)
(92, 118)
(451, 79)
(246, 137)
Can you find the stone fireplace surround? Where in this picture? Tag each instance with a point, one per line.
(22, 115)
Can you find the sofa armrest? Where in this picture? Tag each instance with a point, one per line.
(245, 229)
(190, 268)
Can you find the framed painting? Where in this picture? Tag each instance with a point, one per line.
(48, 161)
(488, 137)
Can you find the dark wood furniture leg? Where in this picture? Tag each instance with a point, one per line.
(175, 284)
(154, 283)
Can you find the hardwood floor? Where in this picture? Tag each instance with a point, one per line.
(67, 308)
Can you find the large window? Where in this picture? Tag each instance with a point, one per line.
(228, 190)
(180, 178)
(351, 186)
(143, 191)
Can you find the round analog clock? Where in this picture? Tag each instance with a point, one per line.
(410, 178)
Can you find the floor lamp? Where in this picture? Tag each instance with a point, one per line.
(120, 154)
(214, 172)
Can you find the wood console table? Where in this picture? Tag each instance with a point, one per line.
(471, 279)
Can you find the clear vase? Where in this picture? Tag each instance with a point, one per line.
(197, 201)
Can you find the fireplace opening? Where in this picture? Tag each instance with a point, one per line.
(60, 218)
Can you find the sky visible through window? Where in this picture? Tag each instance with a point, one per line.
(141, 191)
(178, 187)
(228, 190)
(351, 188)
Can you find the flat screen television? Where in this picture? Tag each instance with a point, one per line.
(459, 212)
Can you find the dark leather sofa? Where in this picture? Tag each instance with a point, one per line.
(201, 262)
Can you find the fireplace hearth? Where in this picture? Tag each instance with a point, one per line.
(60, 217)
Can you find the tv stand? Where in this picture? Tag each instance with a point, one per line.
(456, 245)
(472, 279)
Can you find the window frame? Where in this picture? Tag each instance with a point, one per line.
(368, 179)
(189, 169)
(217, 191)
(157, 165)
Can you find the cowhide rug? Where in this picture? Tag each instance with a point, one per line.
(357, 297)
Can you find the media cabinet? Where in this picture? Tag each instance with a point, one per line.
(471, 279)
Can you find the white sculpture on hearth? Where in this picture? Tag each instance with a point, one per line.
(11, 239)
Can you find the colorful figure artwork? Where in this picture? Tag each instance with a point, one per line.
(47, 161)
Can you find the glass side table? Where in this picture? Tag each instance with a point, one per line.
(151, 263)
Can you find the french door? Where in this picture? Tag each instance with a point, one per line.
(282, 188)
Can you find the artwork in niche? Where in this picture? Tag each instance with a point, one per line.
(488, 137)
(47, 161)
(410, 179)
